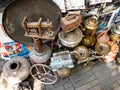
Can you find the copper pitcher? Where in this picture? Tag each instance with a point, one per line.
(103, 36)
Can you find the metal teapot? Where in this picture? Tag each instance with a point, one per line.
(90, 26)
(81, 53)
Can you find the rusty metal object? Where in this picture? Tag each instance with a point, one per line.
(16, 70)
(41, 29)
(81, 53)
(71, 21)
(33, 9)
(43, 73)
(71, 39)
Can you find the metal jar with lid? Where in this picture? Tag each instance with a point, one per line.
(90, 26)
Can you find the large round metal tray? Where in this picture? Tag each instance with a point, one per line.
(33, 9)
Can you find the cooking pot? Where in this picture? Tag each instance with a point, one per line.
(90, 26)
(71, 39)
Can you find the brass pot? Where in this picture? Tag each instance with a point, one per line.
(91, 25)
(64, 72)
(88, 41)
(81, 53)
(71, 39)
(114, 36)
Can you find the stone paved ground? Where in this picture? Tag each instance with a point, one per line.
(101, 76)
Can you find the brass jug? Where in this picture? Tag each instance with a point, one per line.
(90, 26)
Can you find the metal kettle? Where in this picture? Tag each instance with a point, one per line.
(90, 26)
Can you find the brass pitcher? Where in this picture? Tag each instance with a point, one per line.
(90, 26)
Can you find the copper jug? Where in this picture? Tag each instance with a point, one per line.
(91, 25)
(103, 36)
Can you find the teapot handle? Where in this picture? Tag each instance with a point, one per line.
(103, 32)
(82, 28)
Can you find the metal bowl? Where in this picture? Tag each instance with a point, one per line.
(71, 39)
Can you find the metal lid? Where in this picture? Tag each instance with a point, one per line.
(71, 39)
(91, 22)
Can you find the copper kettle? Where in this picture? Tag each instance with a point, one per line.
(103, 36)
(90, 26)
